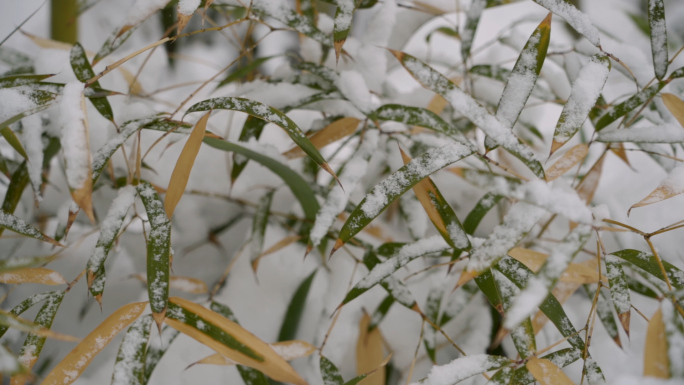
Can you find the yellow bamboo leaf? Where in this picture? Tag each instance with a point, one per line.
(288, 350)
(33, 275)
(369, 355)
(283, 243)
(272, 365)
(185, 284)
(431, 9)
(569, 160)
(183, 20)
(675, 105)
(73, 365)
(47, 43)
(546, 372)
(181, 173)
(589, 183)
(669, 187)
(331, 133)
(656, 362)
(619, 150)
(12, 321)
(575, 273)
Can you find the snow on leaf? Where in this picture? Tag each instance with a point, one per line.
(472, 21)
(462, 368)
(577, 20)
(19, 226)
(295, 21)
(33, 144)
(665, 133)
(130, 361)
(84, 72)
(343, 23)
(619, 291)
(656, 22)
(617, 111)
(39, 275)
(417, 116)
(569, 160)
(331, 375)
(586, 89)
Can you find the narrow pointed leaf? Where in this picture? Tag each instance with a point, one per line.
(299, 23)
(343, 23)
(259, 224)
(288, 350)
(470, 28)
(288, 330)
(574, 17)
(331, 133)
(669, 187)
(569, 160)
(381, 311)
(281, 244)
(397, 184)
(73, 365)
(617, 111)
(417, 116)
(459, 299)
(84, 72)
(21, 80)
(585, 91)
(605, 313)
(109, 230)
(560, 358)
(658, 32)
(675, 105)
(27, 304)
(331, 375)
(158, 250)
(154, 353)
(656, 360)
(12, 138)
(471, 109)
(664, 133)
(20, 178)
(432, 305)
(268, 114)
(486, 203)
(619, 291)
(130, 361)
(17, 225)
(184, 284)
(649, 263)
(439, 211)
(229, 339)
(393, 285)
(546, 372)
(186, 159)
(241, 73)
(33, 275)
(523, 334)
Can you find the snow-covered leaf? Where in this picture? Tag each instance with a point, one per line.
(130, 361)
(523, 334)
(39, 275)
(605, 313)
(393, 285)
(472, 21)
(658, 29)
(463, 368)
(569, 160)
(331, 375)
(617, 111)
(482, 207)
(19, 226)
(574, 17)
(665, 133)
(21, 80)
(674, 334)
(84, 72)
(417, 116)
(72, 366)
(293, 20)
(432, 305)
(619, 291)
(343, 23)
(649, 263)
(154, 353)
(560, 358)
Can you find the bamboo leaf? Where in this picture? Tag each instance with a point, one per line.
(343, 23)
(394, 286)
(675, 105)
(458, 302)
(331, 375)
(154, 353)
(656, 360)
(27, 304)
(432, 305)
(186, 159)
(11, 137)
(251, 129)
(331, 133)
(158, 251)
(417, 116)
(268, 114)
(667, 188)
(109, 230)
(658, 32)
(184, 284)
(229, 339)
(471, 109)
(17, 225)
(574, 17)
(369, 355)
(397, 184)
(523, 334)
(21, 80)
(439, 211)
(72, 366)
(586, 89)
(615, 112)
(560, 358)
(381, 311)
(290, 18)
(259, 225)
(241, 73)
(470, 28)
(33, 275)
(84, 72)
(478, 212)
(465, 367)
(546, 372)
(524, 75)
(10, 264)
(619, 291)
(575, 273)
(283, 243)
(605, 313)
(288, 350)
(130, 361)
(288, 330)
(300, 188)
(649, 264)
(569, 160)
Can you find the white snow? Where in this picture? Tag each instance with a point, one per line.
(74, 140)
(666, 133)
(13, 103)
(658, 36)
(188, 7)
(578, 20)
(354, 88)
(459, 369)
(33, 144)
(672, 185)
(344, 14)
(142, 9)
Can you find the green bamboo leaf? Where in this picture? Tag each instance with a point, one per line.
(394, 286)
(585, 91)
(242, 72)
(268, 114)
(404, 255)
(491, 71)
(300, 188)
(481, 209)
(130, 361)
(113, 42)
(604, 312)
(472, 21)
(21, 80)
(259, 225)
(289, 17)
(561, 358)
(574, 17)
(432, 305)
(649, 264)
(640, 22)
(249, 375)
(417, 116)
(331, 375)
(502, 377)
(154, 353)
(13, 140)
(619, 291)
(288, 330)
(158, 251)
(458, 302)
(658, 32)
(328, 75)
(381, 311)
(84, 72)
(638, 287)
(617, 111)
(343, 23)
(27, 304)
(252, 128)
(674, 334)
(524, 75)
(19, 226)
(18, 182)
(523, 334)
(471, 109)
(109, 230)
(397, 184)
(545, 280)
(451, 32)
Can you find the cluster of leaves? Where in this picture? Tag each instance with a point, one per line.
(524, 286)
